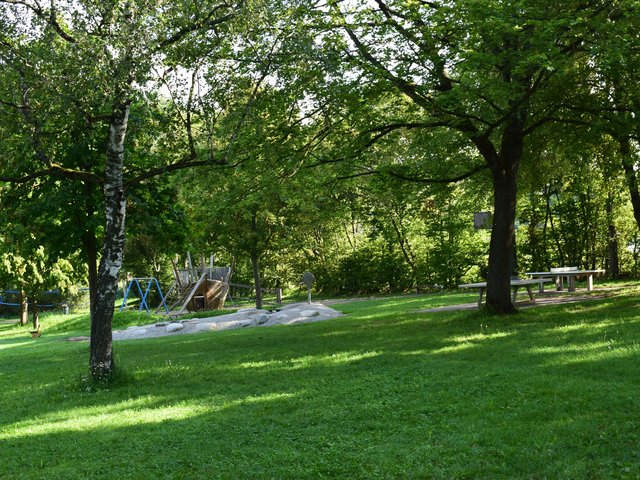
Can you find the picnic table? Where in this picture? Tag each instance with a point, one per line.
(515, 285)
(570, 273)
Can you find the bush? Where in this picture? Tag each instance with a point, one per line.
(370, 269)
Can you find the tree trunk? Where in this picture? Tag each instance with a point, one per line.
(560, 258)
(612, 234)
(24, 308)
(532, 232)
(256, 278)
(255, 257)
(628, 164)
(36, 316)
(515, 266)
(406, 249)
(504, 170)
(547, 215)
(91, 253)
(501, 246)
(101, 362)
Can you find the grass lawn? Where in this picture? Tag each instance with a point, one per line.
(384, 392)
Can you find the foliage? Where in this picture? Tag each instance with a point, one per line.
(158, 230)
(37, 273)
(373, 267)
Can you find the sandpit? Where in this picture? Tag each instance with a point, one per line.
(292, 314)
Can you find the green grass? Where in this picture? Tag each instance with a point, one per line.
(384, 392)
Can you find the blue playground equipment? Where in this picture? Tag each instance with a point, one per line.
(150, 282)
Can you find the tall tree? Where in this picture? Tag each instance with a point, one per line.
(481, 69)
(88, 63)
(610, 99)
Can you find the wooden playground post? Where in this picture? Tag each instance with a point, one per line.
(278, 292)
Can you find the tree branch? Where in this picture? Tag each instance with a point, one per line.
(405, 87)
(431, 51)
(25, 109)
(49, 17)
(53, 170)
(187, 162)
(202, 23)
(383, 131)
(458, 178)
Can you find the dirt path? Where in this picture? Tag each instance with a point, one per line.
(541, 299)
(337, 301)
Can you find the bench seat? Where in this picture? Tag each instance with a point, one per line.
(515, 285)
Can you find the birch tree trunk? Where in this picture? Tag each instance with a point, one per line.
(101, 362)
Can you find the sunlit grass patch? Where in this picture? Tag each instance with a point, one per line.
(383, 392)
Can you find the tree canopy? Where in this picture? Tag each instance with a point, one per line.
(356, 139)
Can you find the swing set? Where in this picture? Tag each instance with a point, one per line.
(139, 282)
(194, 288)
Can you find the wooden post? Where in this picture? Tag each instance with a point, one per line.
(278, 293)
(231, 268)
(190, 265)
(176, 274)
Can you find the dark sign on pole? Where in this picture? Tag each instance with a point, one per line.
(307, 279)
(482, 220)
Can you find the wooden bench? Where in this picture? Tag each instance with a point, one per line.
(515, 285)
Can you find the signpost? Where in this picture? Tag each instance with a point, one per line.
(307, 279)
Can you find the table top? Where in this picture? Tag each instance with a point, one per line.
(566, 272)
(514, 283)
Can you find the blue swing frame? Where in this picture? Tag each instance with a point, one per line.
(143, 296)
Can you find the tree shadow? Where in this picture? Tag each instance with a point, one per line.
(391, 396)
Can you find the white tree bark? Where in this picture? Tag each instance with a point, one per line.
(101, 355)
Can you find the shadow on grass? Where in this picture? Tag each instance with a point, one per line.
(550, 391)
